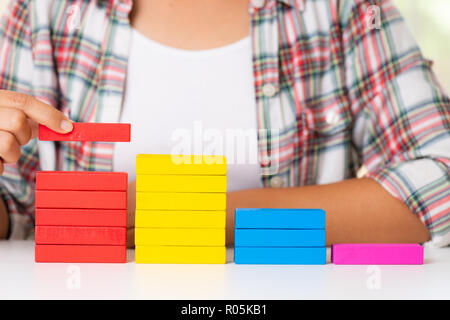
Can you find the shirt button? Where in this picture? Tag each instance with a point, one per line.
(269, 90)
(276, 182)
(258, 3)
(332, 118)
(362, 172)
(266, 162)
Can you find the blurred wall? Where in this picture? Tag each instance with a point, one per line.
(430, 23)
(3, 4)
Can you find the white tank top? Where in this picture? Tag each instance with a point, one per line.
(191, 102)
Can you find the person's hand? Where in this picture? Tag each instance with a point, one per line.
(20, 116)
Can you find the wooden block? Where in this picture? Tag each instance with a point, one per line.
(279, 238)
(261, 255)
(180, 255)
(280, 219)
(377, 254)
(81, 217)
(180, 201)
(180, 237)
(181, 183)
(81, 235)
(81, 181)
(100, 132)
(80, 254)
(180, 164)
(180, 219)
(81, 199)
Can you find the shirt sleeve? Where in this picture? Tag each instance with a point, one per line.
(403, 128)
(16, 72)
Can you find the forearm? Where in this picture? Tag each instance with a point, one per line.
(4, 220)
(358, 210)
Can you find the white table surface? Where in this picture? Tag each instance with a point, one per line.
(22, 278)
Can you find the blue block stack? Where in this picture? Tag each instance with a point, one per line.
(279, 236)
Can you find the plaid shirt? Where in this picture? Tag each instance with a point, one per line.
(333, 95)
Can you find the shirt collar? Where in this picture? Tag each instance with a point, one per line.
(117, 2)
(299, 4)
(126, 5)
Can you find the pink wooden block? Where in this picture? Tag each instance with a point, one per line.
(377, 253)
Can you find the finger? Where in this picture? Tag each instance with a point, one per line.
(15, 122)
(9, 147)
(34, 128)
(36, 110)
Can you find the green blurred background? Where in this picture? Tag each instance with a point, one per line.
(429, 21)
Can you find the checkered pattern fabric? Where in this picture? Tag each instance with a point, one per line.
(340, 85)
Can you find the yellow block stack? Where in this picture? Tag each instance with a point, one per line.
(180, 209)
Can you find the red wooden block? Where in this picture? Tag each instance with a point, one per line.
(114, 236)
(101, 132)
(82, 181)
(81, 199)
(81, 217)
(80, 254)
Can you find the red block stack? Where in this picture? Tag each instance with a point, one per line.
(81, 216)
